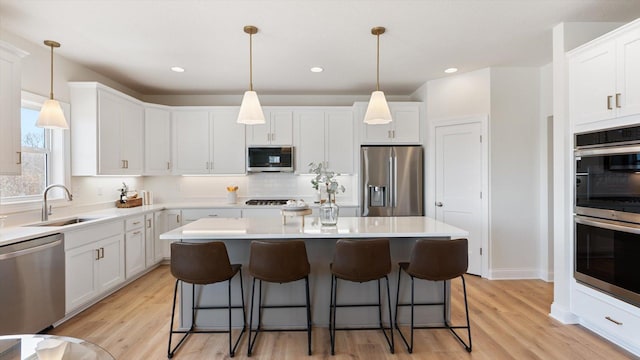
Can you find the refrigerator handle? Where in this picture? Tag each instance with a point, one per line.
(395, 180)
(392, 183)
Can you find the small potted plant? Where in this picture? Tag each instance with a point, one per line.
(325, 180)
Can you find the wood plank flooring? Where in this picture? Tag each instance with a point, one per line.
(509, 320)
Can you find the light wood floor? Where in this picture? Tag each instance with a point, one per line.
(509, 320)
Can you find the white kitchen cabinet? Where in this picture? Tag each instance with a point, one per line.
(150, 240)
(208, 141)
(165, 220)
(191, 215)
(324, 135)
(261, 213)
(10, 87)
(106, 131)
(277, 129)
(135, 246)
(157, 140)
(94, 258)
(604, 77)
(404, 129)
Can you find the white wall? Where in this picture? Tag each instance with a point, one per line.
(459, 96)
(546, 172)
(265, 100)
(514, 172)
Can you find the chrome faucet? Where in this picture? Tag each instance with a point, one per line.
(45, 210)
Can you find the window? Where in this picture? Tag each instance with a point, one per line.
(42, 156)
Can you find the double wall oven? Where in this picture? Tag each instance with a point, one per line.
(607, 208)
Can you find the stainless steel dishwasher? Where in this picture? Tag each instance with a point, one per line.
(32, 285)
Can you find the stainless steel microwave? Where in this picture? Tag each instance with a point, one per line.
(270, 159)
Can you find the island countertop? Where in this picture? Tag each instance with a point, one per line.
(347, 227)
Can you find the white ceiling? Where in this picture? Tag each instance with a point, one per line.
(135, 42)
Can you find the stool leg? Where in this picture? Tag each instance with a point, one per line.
(253, 292)
(391, 345)
(173, 312)
(306, 283)
(410, 348)
(332, 320)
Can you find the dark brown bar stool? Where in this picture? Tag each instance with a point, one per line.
(203, 264)
(278, 262)
(360, 261)
(436, 260)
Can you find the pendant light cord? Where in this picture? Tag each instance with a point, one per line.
(378, 64)
(250, 62)
(51, 92)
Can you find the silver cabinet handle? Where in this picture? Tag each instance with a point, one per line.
(439, 204)
(213, 215)
(149, 223)
(393, 134)
(609, 102)
(136, 222)
(127, 162)
(97, 254)
(168, 165)
(618, 105)
(19, 157)
(122, 165)
(101, 253)
(136, 232)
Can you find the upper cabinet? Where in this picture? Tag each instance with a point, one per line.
(10, 87)
(324, 135)
(404, 129)
(277, 129)
(157, 140)
(208, 141)
(604, 77)
(106, 131)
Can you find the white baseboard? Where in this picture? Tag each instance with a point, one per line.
(563, 315)
(633, 348)
(514, 274)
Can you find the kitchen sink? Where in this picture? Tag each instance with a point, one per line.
(63, 222)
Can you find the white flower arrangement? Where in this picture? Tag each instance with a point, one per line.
(325, 177)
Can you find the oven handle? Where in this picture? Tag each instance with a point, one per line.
(609, 225)
(613, 150)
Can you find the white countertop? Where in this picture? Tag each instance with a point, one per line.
(347, 227)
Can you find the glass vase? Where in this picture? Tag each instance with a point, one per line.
(329, 212)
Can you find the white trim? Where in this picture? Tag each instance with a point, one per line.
(514, 274)
(563, 315)
(483, 119)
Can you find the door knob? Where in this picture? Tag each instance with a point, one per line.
(438, 204)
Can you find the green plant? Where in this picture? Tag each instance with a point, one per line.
(325, 177)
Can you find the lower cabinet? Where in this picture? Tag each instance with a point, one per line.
(191, 215)
(94, 262)
(165, 220)
(150, 240)
(135, 246)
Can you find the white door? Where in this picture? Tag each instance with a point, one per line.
(157, 142)
(459, 183)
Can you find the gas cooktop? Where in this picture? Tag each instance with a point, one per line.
(277, 202)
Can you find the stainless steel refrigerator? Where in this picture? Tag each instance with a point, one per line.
(391, 181)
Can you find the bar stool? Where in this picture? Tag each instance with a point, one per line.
(436, 260)
(203, 264)
(278, 262)
(360, 261)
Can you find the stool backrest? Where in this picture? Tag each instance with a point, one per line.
(200, 263)
(279, 261)
(361, 260)
(439, 259)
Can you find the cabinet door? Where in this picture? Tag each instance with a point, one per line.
(166, 220)
(376, 134)
(191, 138)
(80, 275)
(406, 123)
(261, 213)
(111, 264)
(160, 226)
(191, 215)
(10, 86)
(310, 139)
(134, 252)
(628, 73)
(150, 240)
(259, 134)
(228, 142)
(110, 161)
(281, 127)
(132, 137)
(592, 84)
(339, 141)
(157, 142)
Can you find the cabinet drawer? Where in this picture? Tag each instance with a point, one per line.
(189, 215)
(134, 223)
(608, 317)
(91, 233)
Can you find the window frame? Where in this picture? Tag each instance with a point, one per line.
(57, 159)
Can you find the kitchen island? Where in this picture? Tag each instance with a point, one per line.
(237, 234)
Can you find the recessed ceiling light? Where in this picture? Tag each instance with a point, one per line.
(177, 69)
(451, 70)
(316, 69)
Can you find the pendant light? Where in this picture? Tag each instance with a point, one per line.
(378, 109)
(51, 115)
(250, 109)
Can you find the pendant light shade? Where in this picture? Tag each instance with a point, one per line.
(378, 109)
(250, 109)
(51, 115)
